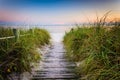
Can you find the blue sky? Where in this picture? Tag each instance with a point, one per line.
(53, 11)
(53, 3)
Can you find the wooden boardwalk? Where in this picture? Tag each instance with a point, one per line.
(54, 66)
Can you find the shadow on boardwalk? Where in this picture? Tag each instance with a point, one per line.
(54, 66)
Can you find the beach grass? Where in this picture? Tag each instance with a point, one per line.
(17, 56)
(96, 50)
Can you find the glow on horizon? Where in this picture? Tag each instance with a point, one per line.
(74, 17)
(58, 15)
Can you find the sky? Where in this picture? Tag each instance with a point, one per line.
(57, 11)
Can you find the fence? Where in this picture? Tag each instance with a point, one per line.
(16, 35)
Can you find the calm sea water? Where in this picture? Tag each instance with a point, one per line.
(57, 32)
(57, 37)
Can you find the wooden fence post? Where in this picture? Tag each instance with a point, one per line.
(16, 34)
(32, 31)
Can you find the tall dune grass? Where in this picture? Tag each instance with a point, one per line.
(5, 32)
(97, 49)
(17, 56)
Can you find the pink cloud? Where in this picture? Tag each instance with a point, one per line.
(11, 16)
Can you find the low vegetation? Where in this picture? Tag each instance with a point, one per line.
(96, 49)
(17, 55)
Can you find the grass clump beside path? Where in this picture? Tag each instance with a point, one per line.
(17, 56)
(97, 49)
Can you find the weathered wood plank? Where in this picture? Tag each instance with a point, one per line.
(55, 66)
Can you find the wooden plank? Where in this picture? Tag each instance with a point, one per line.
(11, 37)
(7, 37)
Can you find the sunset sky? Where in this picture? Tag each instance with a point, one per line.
(56, 11)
